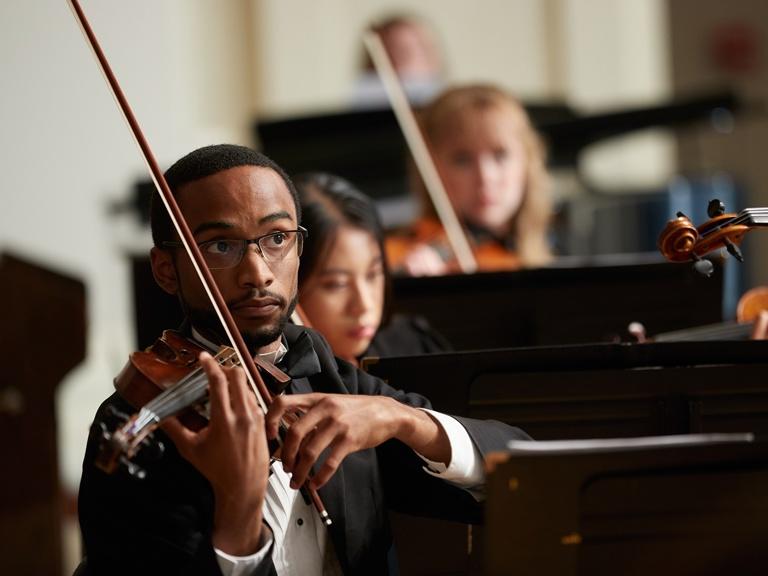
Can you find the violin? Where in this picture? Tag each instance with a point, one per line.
(162, 381)
(682, 241)
(489, 255)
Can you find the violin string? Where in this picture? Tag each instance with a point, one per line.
(186, 391)
(729, 331)
(744, 217)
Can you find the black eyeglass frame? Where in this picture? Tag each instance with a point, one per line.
(301, 236)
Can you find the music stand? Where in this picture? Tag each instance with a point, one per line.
(692, 504)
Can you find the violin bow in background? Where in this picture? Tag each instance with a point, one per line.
(424, 163)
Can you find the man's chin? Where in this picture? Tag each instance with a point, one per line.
(256, 339)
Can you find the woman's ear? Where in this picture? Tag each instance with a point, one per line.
(164, 270)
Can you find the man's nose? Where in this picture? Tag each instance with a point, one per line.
(253, 270)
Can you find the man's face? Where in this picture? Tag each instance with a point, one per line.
(240, 203)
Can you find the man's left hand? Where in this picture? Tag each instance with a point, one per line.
(344, 424)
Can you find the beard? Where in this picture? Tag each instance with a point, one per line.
(207, 322)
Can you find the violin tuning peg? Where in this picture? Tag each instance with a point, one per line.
(703, 267)
(116, 415)
(133, 469)
(715, 208)
(733, 250)
(152, 449)
(101, 429)
(637, 332)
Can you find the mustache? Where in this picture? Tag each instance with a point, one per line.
(255, 295)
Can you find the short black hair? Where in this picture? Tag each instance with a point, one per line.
(327, 203)
(205, 162)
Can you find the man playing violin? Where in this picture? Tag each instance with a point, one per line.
(214, 502)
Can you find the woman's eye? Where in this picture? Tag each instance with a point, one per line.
(375, 273)
(461, 159)
(500, 154)
(333, 285)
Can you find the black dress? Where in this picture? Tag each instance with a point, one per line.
(406, 336)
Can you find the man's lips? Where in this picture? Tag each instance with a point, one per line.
(257, 307)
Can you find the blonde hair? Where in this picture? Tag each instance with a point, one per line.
(530, 224)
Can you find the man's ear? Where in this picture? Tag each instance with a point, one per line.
(164, 271)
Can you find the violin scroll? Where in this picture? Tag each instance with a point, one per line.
(682, 241)
(677, 241)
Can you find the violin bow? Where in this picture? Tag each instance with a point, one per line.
(418, 147)
(263, 396)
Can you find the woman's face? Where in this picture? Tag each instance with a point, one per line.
(344, 297)
(482, 163)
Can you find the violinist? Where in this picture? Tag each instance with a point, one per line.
(214, 502)
(492, 165)
(344, 279)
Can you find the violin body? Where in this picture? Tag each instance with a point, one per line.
(490, 256)
(162, 381)
(148, 372)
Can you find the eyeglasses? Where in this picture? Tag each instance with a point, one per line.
(273, 247)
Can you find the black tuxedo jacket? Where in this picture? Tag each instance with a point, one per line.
(163, 523)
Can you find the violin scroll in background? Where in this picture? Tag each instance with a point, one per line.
(682, 241)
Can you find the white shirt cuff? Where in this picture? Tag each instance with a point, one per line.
(466, 466)
(243, 565)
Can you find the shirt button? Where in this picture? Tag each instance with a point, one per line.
(300, 521)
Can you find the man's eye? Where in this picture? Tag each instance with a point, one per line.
(219, 247)
(276, 239)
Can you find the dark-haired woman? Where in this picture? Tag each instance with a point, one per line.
(343, 277)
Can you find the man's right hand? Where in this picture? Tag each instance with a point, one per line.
(232, 453)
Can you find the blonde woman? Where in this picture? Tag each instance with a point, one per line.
(492, 164)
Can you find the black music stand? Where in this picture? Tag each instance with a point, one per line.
(578, 300)
(663, 506)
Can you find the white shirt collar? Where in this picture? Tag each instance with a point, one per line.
(272, 357)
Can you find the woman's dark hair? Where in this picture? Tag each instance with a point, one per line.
(327, 203)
